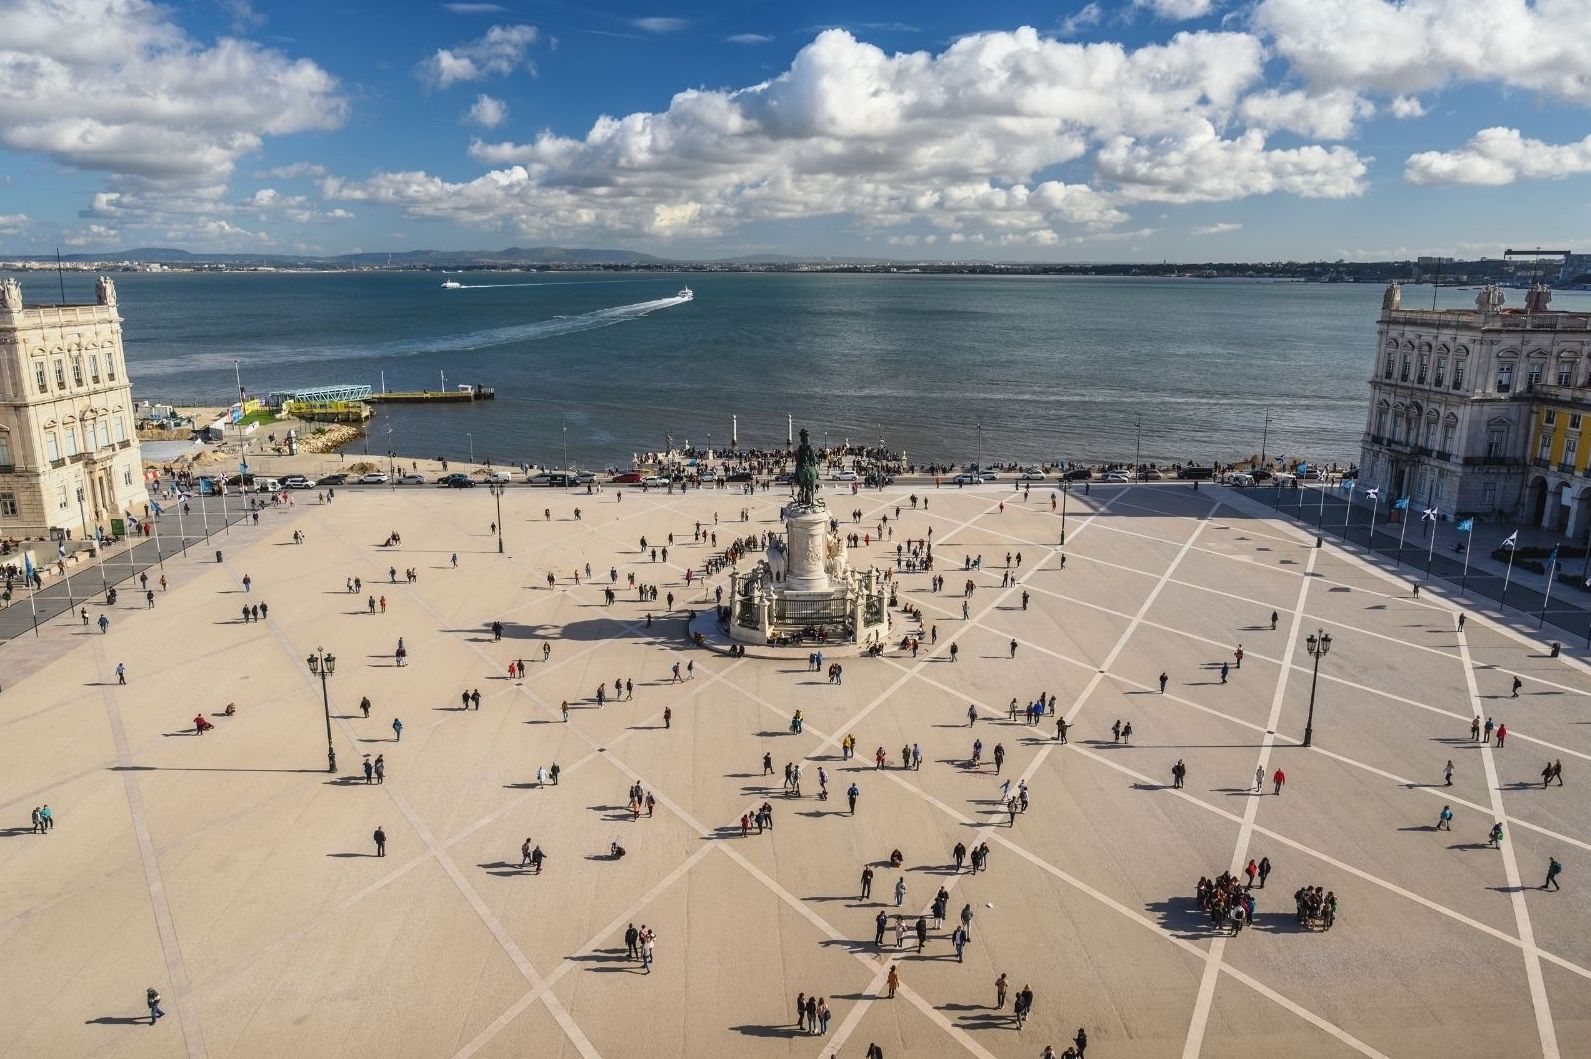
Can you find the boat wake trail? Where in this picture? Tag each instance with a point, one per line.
(496, 336)
(558, 325)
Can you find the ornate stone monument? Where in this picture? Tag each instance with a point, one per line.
(804, 590)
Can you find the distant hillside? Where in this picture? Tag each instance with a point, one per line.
(514, 255)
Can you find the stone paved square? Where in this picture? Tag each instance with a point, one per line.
(234, 874)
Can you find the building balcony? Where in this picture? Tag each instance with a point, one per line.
(1566, 468)
(1542, 463)
(1492, 461)
(1445, 456)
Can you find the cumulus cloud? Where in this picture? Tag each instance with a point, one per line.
(1406, 107)
(658, 24)
(1177, 10)
(496, 54)
(295, 171)
(115, 86)
(487, 112)
(748, 38)
(965, 140)
(1543, 46)
(1329, 115)
(1218, 229)
(268, 204)
(1499, 156)
(93, 234)
(12, 223)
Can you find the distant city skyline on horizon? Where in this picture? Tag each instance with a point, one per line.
(1134, 131)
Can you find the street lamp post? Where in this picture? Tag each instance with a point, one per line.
(566, 443)
(1137, 447)
(324, 665)
(1318, 645)
(497, 494)
(980, 446)
(1066, 491)
(471, 438)
(1265, 435)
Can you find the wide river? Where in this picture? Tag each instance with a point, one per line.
(1049, 368)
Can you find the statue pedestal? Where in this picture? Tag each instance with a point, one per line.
(806, 541)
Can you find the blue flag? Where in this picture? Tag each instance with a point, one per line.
(1465, 526)
(1401, 505)
(1348, 484)
(155, 506)
(27, 566)
(1552, 560)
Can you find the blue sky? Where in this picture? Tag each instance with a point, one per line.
(1133, 130)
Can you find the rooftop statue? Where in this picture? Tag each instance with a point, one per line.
(105, 291)
(1490, 299)
(11, 295)
(1392, 298)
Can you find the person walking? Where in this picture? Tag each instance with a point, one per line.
(370, 771)
(152, 999)
(893, 981)
(397, 730)
(880, 924)
(1265, 870)
(104, 625)
(1447, 773)
(1000, 986)
(1163, 679)
(364, 705)
(1502, 735)
(1178, 771)
(851, 794)
(972, 715)
(1224, 670)
(380, 837)
(1554, 869)
(900, 891)
(121, 673)
(1444, 819)
(958, 938)
(1273, 621)
(867, 883)
(1517, 685)
(647, 951)
(1280, 780)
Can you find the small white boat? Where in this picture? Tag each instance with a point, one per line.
(685, 294)
(452, 284)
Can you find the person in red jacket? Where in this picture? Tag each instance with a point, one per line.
(1280, 780)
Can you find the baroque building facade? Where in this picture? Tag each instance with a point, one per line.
(69, 459)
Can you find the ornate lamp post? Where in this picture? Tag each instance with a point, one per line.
(324, 665)
(497, 494)
(1318, 645)
(1066, 491)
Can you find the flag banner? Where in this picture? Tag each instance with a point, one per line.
(1373, 494)
(1429, 514)
(1467, 525)
(1513, 539)
(1402, 504)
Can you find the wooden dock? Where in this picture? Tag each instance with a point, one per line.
(475, 393)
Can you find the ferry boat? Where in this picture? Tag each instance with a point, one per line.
(685, 294)
(451, 284)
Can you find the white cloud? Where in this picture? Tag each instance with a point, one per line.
(658, 24)
(1206, 168)
(1406, 107)
(1499, 156)
(93, 234)
(496, 54)
(1218, 229)
(1177, 10)
(748, 38)
(487, 112)
(12, 223)
(115, 86)
(1329, 115)
(1543, 46)
(965, 140)
(1088, 15)
(475, 9)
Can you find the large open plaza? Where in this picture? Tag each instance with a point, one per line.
(233, 874)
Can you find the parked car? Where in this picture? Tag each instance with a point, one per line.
(334, 479)
(373, 478)
(1237, 480)
(707, 475)
(1115, 476)
(653, 480)
(582, 477)
(966, 478)
(267, 485)
(298, 481)
(1078, 474)
(1030, 476)
(1196, 474)
(499, 476)
(412, 479)
(1150, 476)
(1261, 474)
(844, 476)
(739, 476)
(456, 480)
(626, 478)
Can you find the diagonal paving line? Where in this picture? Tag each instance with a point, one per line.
(1194, 1043)
(1516, 892)
(170, 946)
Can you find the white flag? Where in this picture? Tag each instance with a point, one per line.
(1513, 539)
(1429, 514)
(1374, 493)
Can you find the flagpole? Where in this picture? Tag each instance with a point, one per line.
(1552, 568)
(1324, 486)
(1375, 499)
(1508, 574)
(1403, 530)
(1468, 540)
(182, 530)
(1431, 548)
(32, 575)
(1347, 509)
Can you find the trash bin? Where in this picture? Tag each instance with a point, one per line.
(1556, 647)
(218, 555)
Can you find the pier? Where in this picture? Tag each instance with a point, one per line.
(463, 393)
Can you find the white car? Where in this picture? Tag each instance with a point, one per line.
(707, 476)
(654, 480)
(412, 479)
(845, 476)
(298, 481)
(373, 478)
(1114, 476)
(1030, 476)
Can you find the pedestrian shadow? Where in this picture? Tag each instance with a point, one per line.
(347, 781)
(529, 785)
(1420, 827)
(754, 1030)
(602, 956)
(118, 1020)
(506, 869)
(11, 832)
(1521, 888)
(1472, 845)
(345, 856)
(1183, 918)
(987, 1021)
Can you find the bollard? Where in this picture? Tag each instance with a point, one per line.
(218, 555)
(1319, 540)
(1556, 647)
